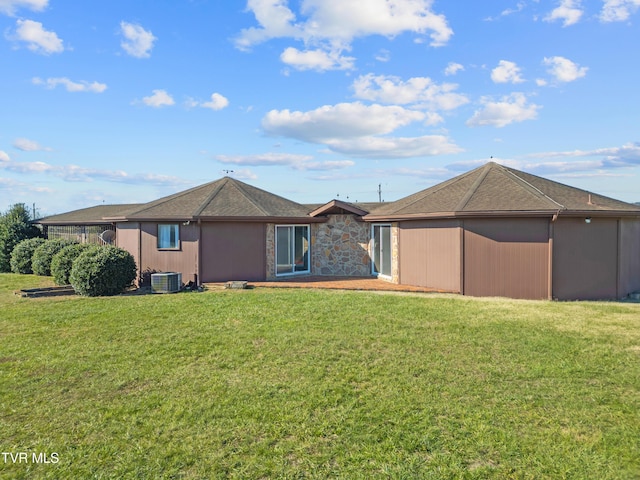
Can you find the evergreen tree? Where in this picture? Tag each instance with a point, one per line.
(15, 226)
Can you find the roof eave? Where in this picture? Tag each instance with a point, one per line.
(254, 219)
(503, 214)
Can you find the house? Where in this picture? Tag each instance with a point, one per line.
(497, 231)
(493, 231)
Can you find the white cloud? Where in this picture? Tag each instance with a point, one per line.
(453, 68)
(82, 86)
(357, 130)
(340, 21)
(416, 90)
(4, 156)
(275, 19)
(506, 72)
(510, 109)
(265, 159)
(218, 102)
(564, 70)
(27, 145)
(160, 98)
(508, 11)
(618, 10)
(75, 173)
(9, 7)
(569, 11)
(331, 26)
(383, 55)
(137, 42)
(319, 60)
(343, 120)
(394, 147)
(297, 162)
(37, 38)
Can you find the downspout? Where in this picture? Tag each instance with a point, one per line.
(462, 259)
(619, 294)
(550, 273)
(140, 250)
(199, 259)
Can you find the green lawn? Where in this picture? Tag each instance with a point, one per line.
(278, 383)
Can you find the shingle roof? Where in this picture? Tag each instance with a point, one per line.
(90, 215)
(224, 198)
(495, 188)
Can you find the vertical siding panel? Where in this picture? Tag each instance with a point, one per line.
(430, 254)
(233, 251)
(629, 256)
(585, 260)
(506, 257)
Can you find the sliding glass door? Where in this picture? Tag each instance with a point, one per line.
(381, 235)
(292, 249)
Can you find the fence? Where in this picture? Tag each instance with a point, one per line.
(81, 233)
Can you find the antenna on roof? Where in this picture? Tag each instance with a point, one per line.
(227, 172)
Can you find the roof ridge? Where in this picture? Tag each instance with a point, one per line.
(210, 197)
(529, 185)
(432, 190)
(467, 196)
(160, 201)
(240, 186)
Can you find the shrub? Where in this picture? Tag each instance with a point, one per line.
(42, 256)
(62, 261)
(103, 271)
(23, 253)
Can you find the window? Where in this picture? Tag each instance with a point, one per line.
(292, 249)
(169, 236)
(382, 250)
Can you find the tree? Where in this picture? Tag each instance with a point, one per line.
(15, 226)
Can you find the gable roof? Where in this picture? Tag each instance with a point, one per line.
(226, 198)
(338, 207)
(91, 215)
(494, 189)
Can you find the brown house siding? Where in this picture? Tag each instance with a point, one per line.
(506, 257)
(430, 254)
(183, 260)
(585, 259)
(629, 257)
(128, 238)
(233, 251)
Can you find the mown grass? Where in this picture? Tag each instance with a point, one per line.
(318, 384)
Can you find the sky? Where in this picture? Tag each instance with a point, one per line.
(105, 102)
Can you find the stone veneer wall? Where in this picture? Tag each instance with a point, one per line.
(395, 253)
(340, 247)
(271, 251)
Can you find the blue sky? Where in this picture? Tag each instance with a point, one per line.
(124, 102)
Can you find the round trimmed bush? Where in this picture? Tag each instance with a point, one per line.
(23, 253)
(62, 262)
(103, 271)
(43, 255)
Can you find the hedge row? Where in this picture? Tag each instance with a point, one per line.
(92, 270)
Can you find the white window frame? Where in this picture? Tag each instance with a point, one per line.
(165, 233)
(381, 249)
(291, 250)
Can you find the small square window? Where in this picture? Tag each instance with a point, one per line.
(169, 236)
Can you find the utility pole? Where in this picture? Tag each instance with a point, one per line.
(380, 192)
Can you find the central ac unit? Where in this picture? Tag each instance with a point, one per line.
(169, 282)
